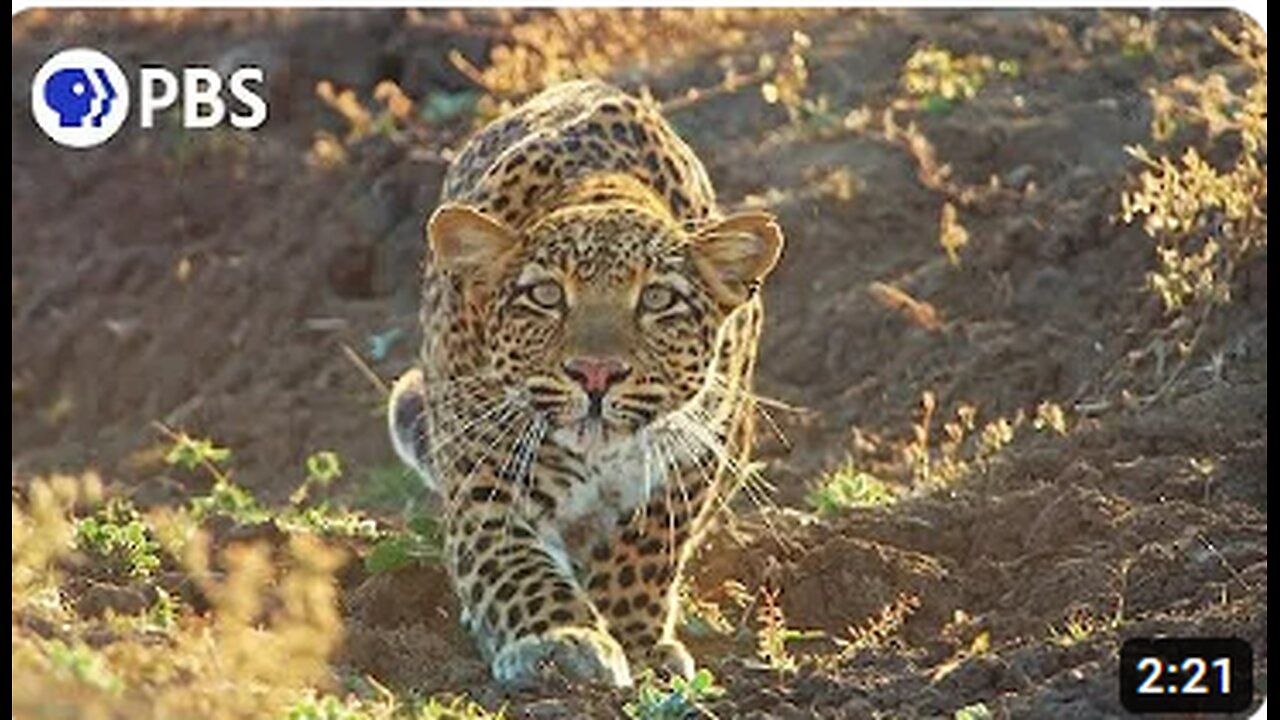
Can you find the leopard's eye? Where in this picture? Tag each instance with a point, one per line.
(656, 298)
(547, 294)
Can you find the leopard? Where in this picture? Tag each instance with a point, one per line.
(582, 401)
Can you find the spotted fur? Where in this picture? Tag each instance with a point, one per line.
(582, 399)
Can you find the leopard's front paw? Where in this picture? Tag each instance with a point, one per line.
(579, 653)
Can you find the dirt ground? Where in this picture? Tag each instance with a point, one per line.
(211, 281)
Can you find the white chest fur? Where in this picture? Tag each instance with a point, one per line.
(617, 479)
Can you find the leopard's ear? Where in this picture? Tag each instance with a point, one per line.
(735, 254)
(467, 243)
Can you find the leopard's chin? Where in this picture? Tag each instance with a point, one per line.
(590, 434)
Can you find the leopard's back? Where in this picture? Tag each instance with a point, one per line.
(531, 160)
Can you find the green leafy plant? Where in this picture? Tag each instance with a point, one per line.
(328, 520)
(938, 78)
(394, 488)
(225, 498)
(391, 487)
(323, 468)
(119, 537)
(674, 699)
(228, 499)
(847, 488)
(190, 452)
(422, 541)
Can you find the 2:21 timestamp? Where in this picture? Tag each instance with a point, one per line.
(1186, 675)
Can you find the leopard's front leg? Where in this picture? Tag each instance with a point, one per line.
(634, 576)
(520, 599)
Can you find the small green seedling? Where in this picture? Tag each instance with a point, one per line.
(323, 468)
(848, 488)
(976, 711)
(190, 453)
(229, 500)
(118, 535)
(672, 700)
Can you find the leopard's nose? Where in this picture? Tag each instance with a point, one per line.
(596, 374)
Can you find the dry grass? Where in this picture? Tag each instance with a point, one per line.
(122, 614)
(265, 639)
(550, 47)
(1206, 217)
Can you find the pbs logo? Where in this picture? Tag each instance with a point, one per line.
(80, 98)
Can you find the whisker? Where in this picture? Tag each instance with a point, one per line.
(691, 443)
(646, 452)
(742, 475)
(661, 453)
(503, 428)
(525, 448)
(489, 409)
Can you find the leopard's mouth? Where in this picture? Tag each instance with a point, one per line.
(592, 431)
(583, 421)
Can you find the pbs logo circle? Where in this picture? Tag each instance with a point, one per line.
(80, 98)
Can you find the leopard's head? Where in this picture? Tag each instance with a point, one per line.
(603, 317)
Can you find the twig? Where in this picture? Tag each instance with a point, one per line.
(365, 370)
(473, 73)
(1213, 550)
(1148, 400)
(728, 86)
